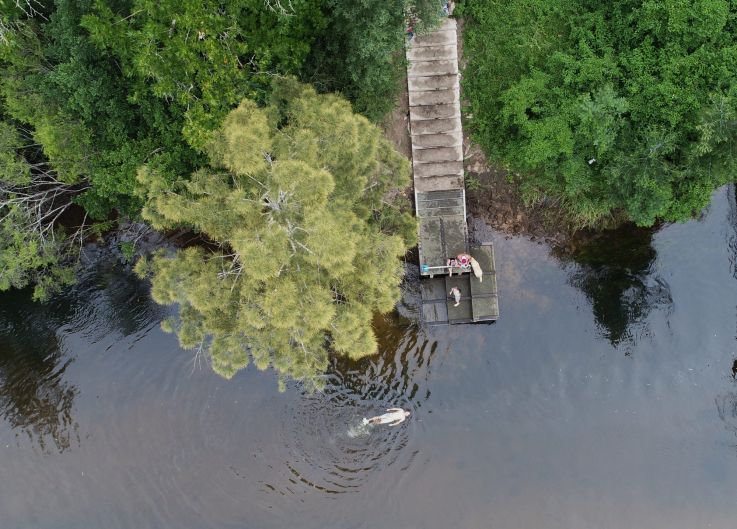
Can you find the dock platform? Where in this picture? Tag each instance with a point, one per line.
(439, 188)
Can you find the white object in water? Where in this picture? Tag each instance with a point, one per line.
(393, 417)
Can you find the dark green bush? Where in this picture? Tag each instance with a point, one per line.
(616, 110)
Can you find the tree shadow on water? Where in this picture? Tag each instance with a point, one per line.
(35, 399)
(615, 272)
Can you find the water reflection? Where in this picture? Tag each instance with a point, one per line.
(615, 272)
(110, 298)
(35, 400)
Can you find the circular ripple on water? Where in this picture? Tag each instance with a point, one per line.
(328, 449)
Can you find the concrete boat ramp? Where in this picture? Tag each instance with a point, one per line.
(440, 197)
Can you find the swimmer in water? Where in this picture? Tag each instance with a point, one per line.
(393, 417)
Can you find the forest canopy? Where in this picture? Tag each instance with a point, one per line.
(91, 90)
(615, 110)
(302, 252)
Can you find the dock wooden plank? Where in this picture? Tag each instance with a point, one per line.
(484, 254)
(464, 311)
(456, 236)
(456, 195)
(435, 312)
(487, 287)
(431, 242)
(484, 309)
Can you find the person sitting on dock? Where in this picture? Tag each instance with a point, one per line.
(456, 293)
(393, 417)
(462, 261)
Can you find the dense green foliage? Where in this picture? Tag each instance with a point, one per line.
(27, 258)
(32, 249)
(617, 110)
(360, 53)
(96, 88)
(78, 105)
(202, 57)
(292, 200)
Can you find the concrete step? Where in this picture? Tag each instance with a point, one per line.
(438, 183)
(429, 141)
(451, 110)
(442, 37)
(433, 97)
(434, 126)
(438, 154)
(432, 82)
(423, 170)
(447, 23)
(432, 68)
(432, 53)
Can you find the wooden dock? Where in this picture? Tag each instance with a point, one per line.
(440, 198)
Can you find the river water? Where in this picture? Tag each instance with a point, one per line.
(603, 398)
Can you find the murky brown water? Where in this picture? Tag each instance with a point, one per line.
(603, 398)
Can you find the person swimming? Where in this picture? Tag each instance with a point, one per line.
(393, 417)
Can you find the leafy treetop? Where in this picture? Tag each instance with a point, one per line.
(618, 110)
(293, 200)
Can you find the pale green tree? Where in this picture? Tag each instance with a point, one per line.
(300, 253)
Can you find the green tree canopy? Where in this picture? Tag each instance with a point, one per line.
(294, 201)
(77, 105)
(98, 88)
(203, 56)
(361, 51)
(621, 110)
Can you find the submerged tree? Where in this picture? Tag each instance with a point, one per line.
(307, 242)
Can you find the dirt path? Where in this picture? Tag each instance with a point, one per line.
(396, 124)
